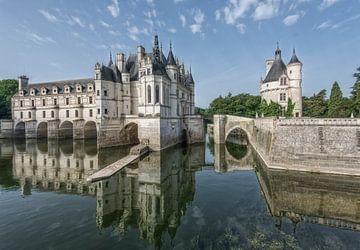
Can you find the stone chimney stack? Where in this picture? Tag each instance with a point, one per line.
(23, 81)
(120, 61)
(140, 53)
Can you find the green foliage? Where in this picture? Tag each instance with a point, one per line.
(270, 109)
(8, 88)
(290, 108)
(337, 107)
(316, 105)
(357, 75)
(242, 105)
(355, 97)
(199, 111)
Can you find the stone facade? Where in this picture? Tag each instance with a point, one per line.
(283, 82)
(145, 98)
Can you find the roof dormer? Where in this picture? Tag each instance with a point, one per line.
(78, 88)
(21, 92)
(90, 87)
(44, 91)
(66, 89)
(55, 90)
(32, 91)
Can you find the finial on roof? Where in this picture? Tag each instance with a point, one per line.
(170, 45)
(294, 51)
(110, 61)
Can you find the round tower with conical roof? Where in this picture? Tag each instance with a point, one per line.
(294, 71)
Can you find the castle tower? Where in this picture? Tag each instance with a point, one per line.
(283, 82)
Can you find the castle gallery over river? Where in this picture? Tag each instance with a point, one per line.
(146, 98)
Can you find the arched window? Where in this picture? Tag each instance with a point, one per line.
(149, 93)
(157, 94)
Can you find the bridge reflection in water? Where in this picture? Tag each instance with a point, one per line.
(153, 194)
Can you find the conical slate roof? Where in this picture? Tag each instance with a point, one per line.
(277, 69)
(171, 59)
(294, 58)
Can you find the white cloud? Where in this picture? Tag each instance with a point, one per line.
(134, 33)
(266, 10)
(218, 14)
(292, 19)
(51, 18)
(327, 3)
(183, 20)
(296, 3)
(241, 27)
(91, 27)
(114, 8)
(114, 33)
(350, 19)
(172, 30)
(41, 40)
(324, 25)
(199, 18)
(235, 9)
(105, 24)
(78, 21)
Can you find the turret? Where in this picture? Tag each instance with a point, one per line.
(120, 61)
(171, 67)
(97, 70)
(294, 68)
(23, 81)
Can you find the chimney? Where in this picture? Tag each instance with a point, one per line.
(140, 53)
(23, 81)
(120, 61)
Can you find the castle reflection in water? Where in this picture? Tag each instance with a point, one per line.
(153, 194)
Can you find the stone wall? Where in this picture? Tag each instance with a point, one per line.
(6, 128)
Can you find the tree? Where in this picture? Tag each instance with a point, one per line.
(8, 88)
(316, 105)
(290, 108)
(355, 95)
(336, 102)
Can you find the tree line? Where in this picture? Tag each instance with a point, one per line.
(318, 105)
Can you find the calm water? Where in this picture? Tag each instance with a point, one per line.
(199, 197)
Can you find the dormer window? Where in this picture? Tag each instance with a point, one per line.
(55, 90)
(90, 87)
(43, 91)
(67, 89)
(32, 92)
(283, 81)
(78, 88)
(21, 93)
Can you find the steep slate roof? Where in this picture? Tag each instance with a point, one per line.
(277, 69)
(59, 84)
(132, 67)
(171, 59)
(294, 58)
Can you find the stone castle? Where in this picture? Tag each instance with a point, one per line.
(283, 82)
(146, 98)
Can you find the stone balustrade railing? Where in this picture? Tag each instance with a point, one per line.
(318, 122)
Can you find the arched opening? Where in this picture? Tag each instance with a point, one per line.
(184, 137)
(66, 130)
(237, 143)
(90, 131)
(149, 93)
(129, 134)
(67, 147)
(42, 130)
(19, 131)
(157, 94)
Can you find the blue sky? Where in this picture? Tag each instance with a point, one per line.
(225, 42)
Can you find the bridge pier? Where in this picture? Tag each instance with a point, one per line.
(30, 129)
(53, 129)
(219, 129)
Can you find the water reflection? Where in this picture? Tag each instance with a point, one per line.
(330, 200)
(151, 195)
(58, 165)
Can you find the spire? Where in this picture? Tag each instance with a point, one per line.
(294, 58)
(277, 52)
(110, 61)
(170, 59)
(156, 50)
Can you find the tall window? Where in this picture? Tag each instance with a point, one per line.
(79, 100)
(149, 93)
(90, 112)
(105, 92)
(55, 101)
(283, 81)
(90, 100)
(52, 114)
(282, 97)
(21, 103)
(44, 114)
(157, 94)
(29, 114)
(21, 115)
(105, 111)
(76, 113)
(32, 103)
(44, 102)
(98, 92)
(67, 113)
(67, 101)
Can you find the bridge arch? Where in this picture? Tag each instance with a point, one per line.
(19, 131)
(42, 130)
(90, 130)
(66, 130)
(129, 134)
